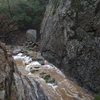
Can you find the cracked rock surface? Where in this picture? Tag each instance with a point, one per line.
(70, 39)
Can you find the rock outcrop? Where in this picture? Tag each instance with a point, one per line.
(31, 35)
(13, 85)
(70, 38)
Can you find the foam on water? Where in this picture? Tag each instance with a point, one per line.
(25, 58)
(63, 90)
(31, 65)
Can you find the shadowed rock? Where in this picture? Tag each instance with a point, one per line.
(70, 38)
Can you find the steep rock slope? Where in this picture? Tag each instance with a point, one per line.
(70, 38)
(13, 85)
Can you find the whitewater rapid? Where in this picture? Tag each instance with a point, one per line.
(52, 80)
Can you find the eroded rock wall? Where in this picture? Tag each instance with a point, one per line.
(70, 38)
(13, 85)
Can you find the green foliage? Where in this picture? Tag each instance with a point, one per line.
(33, 71)
(76, 4)
(46, 78)
(42, 73)
(97, 97)
(26, 13)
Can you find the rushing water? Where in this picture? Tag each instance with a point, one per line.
(52, 80)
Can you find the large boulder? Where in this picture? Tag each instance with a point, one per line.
(31, 35)
(70, 38)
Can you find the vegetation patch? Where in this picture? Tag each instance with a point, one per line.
(48, 78)
(21, 15)
(43, 73)
(97, 97)
(80, 95)
(33, 71)
(76, 4)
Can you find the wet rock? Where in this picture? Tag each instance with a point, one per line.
(16, 51)
(52, 80)
(41, 61)
(13, 85)
(39, 58)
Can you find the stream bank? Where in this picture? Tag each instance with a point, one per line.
(54, 83)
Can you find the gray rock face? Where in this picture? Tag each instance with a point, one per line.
(71, 39)
(13, 85)
(31, 35)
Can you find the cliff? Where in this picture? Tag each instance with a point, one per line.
(70, 38)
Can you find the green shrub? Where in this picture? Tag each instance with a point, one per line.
(42, 73)
(25, 13)
(97, 97)
(76, 4)
(33, 71)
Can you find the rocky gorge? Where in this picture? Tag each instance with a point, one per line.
(61, 62)
(30, 77)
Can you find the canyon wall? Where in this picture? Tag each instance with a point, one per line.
(70, 39)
